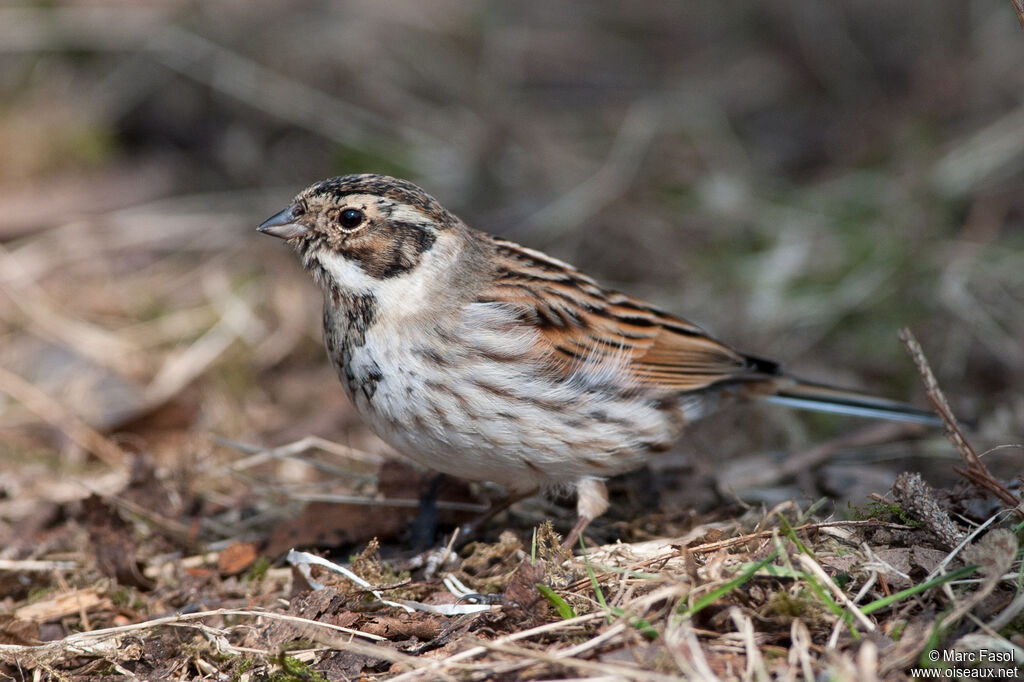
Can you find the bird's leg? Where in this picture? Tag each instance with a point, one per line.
(469, 531)
(581, 523)
(425, 526)
(591, 502)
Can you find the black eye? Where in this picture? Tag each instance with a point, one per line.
(351, 218)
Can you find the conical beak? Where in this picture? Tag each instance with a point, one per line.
(284, 224)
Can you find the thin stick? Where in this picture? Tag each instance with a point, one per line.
(976, 471)
(82, 639)
(1018, 7)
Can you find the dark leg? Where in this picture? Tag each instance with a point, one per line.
(424, 529)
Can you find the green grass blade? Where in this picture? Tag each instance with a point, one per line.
(724, 589)
(787, 531)
(645, 627)
(562, 606)
(916, 589)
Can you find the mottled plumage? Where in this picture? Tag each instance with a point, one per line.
(487, 360)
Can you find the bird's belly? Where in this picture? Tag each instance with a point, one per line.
(500, 421)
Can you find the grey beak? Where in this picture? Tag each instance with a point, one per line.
(284, 224)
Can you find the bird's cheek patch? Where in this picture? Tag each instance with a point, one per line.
(388, 254)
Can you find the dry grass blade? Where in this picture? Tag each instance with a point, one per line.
(686, 650)
(819, 573)
(800, 649)
(755, 669)
(867, 662)
(106, 641)
(435, 666)
(35, 565)
(63, 605)
(301, 446)
(180, 368)
(49, 321)
(994, 553)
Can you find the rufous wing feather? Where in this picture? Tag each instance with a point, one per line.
(580, 322)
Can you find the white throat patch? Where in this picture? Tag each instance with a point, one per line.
(404, 294)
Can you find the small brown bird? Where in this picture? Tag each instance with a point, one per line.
(489, 361)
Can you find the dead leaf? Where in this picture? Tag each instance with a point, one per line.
(927, 558)
(898, 559)
(522, 602)
(16, 631)
(404, 626)
(237, 557)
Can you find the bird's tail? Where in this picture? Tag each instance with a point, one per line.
(822, 398)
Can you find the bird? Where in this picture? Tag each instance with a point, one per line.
(486, 360)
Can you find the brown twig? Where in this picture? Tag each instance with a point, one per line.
(1018, 6)
(976, 472)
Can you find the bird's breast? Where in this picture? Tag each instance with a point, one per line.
(445, 397)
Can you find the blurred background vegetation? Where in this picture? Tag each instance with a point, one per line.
(801, 178)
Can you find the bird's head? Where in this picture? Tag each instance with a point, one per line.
(358, 228)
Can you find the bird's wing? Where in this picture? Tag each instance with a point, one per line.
(580, 323)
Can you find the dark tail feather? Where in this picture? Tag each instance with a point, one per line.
(822, 398)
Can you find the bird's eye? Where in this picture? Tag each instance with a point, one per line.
(299, 209)
(351, 218)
